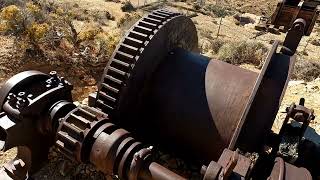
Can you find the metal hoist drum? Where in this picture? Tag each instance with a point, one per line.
(156, 86)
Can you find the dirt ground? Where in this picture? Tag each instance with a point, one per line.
(85, 78)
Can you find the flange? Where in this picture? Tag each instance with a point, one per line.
(143, 48)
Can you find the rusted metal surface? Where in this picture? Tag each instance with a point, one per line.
(212, 172)
(74, 135)
(291, 137)
(157, 172)
(227, 96)
(18, 81)
(299, 113)
(288, 11)
(293, 37)
(86, 135)
(264, 102)
(285, 171)
(19, 167)
(231, 165)
(136, 57)
(25, 121)
(166, 95)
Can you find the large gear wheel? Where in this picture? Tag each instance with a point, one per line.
(128, 73)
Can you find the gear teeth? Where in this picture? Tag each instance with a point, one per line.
(128, 49)
(166, 11)
(138, 36)
(105, 107)
(159, 13)
(112, 79)
(153, 21)
(159, 17)
(121, 73)
(143, 30)
(107, 97)
(73, 130)
(110, 88)
(133, 42)
(126, 55)
(148, 25)
(120, 65)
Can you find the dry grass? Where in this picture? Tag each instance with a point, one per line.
(219, 10)
(248, 52)
(127, 7)
(217, 44)
(306, 70)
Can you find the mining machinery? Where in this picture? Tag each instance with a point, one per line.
(287, 11)
(158, 92)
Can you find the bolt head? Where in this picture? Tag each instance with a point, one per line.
(11, 96)
(53, 73)
(22, 94)
(203, 170)
(21, 103)
(16, 163)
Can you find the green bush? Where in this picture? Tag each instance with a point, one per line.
(243, 52)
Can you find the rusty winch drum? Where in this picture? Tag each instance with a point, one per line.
(156, 87)
(199, 106)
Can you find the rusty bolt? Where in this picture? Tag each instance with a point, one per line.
(62, 81)
(203, 170)
(12, 99)
(150, 148)
(17, 164)
(49, 83)
(53, 74)
(22, 94)
(21, 103)
(30, 96)
(18, 169)
(299, 117)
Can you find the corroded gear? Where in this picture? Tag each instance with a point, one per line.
(75, 133)
(142, 49)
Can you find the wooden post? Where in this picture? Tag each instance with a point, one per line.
(305, 47)
(219, 27)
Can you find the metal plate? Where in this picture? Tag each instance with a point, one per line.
(18, 81)
(256, 121)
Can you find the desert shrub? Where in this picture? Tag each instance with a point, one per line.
(217, 44)
(128, 20)
(46, 30)
(248, 52)
(196, 6)
(306, 70)
(243, 20)
(109, 16)
(219, 10)
(315, 42)
(127, 7)
(12, 19)
(37, 31)
(89, 34)
(101, 16)
(4, 3)
(106, 43)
